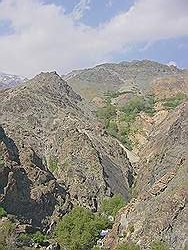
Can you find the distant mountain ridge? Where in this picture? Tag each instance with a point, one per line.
(135, 76)
(9, 80)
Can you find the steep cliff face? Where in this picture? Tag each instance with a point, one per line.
(27, 189)
(55, 153)
(159, 209)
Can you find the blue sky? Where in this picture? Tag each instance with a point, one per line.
(42, 35)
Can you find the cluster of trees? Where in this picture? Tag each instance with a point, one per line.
(80, 229)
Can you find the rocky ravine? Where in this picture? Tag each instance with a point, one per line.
(54, 154)
(159, 209)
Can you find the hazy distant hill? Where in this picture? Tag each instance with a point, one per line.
(8, 80)
(136, 76)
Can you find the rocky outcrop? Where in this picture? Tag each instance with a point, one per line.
(159, 209)
(53, 149)
(28, 190)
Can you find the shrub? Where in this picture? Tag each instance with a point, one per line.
(173, 102)
(53, 164)
(3, 213)
(159, 245)
(38, 237)
(96, 248)
(106, 113)
(80, 229)
(112, 128)
(130, 246)
(110, 206)
(6, 234)
(24, 239)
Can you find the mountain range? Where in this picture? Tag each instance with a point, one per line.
(86, 137)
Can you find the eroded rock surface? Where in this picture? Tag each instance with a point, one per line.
(159, 209)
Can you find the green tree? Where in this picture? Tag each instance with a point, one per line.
(38, 237)
(110, 206)
(80, 229)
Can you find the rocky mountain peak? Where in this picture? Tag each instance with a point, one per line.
(51, 82)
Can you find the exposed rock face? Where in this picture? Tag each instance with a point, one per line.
(53, 148)
(159, 209)
(27, 189)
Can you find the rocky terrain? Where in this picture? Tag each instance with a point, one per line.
(56, 154)
(158, 210)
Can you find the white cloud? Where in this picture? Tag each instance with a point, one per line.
(46, 38)
(80, 8)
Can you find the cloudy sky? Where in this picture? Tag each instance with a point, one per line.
(61, 35)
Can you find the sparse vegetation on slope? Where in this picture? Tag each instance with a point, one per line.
(119, 121)
(173, 102)
(159, 245)
(3, 213)
(6, 234)
(130, 246)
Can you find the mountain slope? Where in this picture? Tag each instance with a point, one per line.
(159, 210)
(135, 76)
(59, 146)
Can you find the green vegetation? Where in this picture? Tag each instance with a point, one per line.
(3, 213)
(80, 229)
(159, 245)
(110, 206)
(6, 234)
(130, 246)
(96, 248)
(53, 164)
(173, 102)
(119, 121)
(27, 239)
(38, 237)
(113, 94)
(139, 104)
(107, 113)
